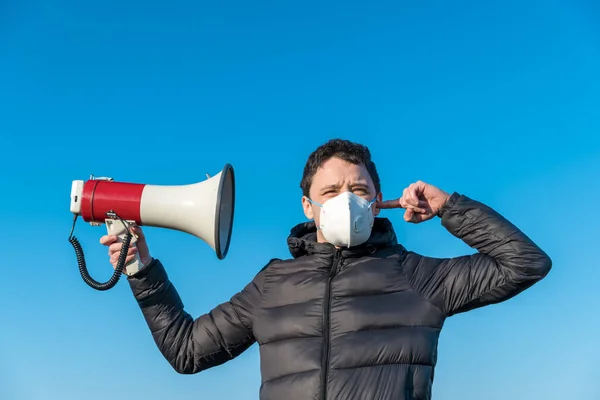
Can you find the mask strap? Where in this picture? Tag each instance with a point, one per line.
(373, 201)
(315, 203)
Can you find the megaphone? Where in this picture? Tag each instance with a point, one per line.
(204, 209)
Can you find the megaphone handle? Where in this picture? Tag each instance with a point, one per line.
(118, 228)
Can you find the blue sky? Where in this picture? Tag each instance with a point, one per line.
(496, 100)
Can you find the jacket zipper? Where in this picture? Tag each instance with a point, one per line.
(326, 324)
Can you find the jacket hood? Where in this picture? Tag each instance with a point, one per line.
(303, 240)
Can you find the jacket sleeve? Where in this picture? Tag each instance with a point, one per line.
(506, 263)
(189, 345)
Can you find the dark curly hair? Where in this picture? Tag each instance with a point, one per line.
(344, 149)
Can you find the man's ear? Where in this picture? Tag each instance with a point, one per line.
(307, 207)
(378, 200)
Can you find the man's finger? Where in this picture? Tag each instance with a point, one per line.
(115, 247)
(413, 195)
(389, 204)
(137, 231)
(417, 209)
(411, 199)
(409, 215)
(107, 240)
(420, 186)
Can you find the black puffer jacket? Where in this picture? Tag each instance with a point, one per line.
(349, 324)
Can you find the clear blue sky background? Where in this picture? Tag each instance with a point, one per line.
(498, 100)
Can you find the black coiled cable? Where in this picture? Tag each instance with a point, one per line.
(83, 267)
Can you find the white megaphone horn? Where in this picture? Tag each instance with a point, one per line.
(204, 209)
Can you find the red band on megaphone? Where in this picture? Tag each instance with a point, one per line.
(99, 197)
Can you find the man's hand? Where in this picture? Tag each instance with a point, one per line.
(114, 247)
(422, 202)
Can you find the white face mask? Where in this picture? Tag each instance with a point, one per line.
(346, 219)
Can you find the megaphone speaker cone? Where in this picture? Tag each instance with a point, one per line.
(204, 209)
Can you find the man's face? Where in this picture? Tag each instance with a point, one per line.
(334, 177)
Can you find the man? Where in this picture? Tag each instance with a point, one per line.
(353, 314)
